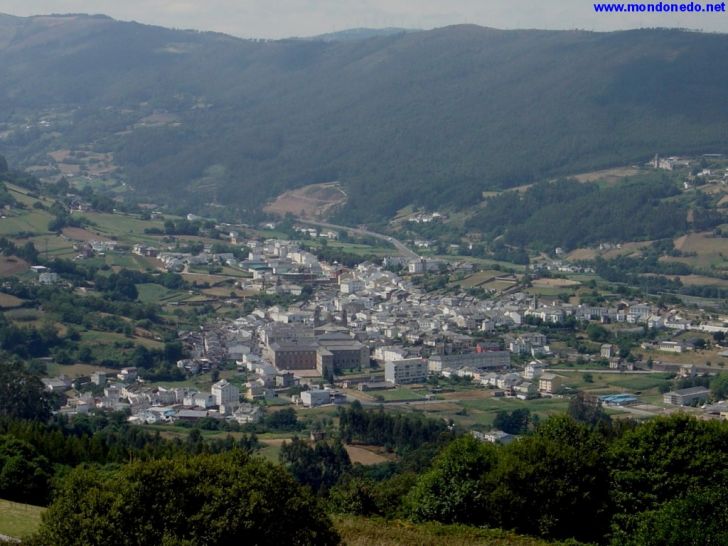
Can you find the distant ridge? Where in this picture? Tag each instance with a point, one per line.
(430, 118)
(359, 34)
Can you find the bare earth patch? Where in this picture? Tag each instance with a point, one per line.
(8, 301)
(608, 175)
(313, 201)
(10, 265)
(80, 234)
(366, 455)
(555, 283)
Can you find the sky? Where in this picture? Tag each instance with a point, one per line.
(286, 18)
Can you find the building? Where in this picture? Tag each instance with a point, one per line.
(686, 397)
(128, 375)
(402, 372)
(607, 350)
(671, 346)
(293, 355)
(549, 383)
(479, 360)
(319, 397)
(225, 393)
(98, 378)
(347, 353)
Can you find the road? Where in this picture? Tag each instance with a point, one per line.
(403, 250)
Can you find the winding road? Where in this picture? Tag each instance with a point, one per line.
(399, 245)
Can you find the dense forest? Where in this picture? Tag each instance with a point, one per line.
(570, 214)
(428, 118)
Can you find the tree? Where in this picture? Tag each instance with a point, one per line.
(455, 490)
(664, 458)
(24, 474)
(597, 332)
(701, 517)
(514, 422)
(22, 395)
(719, 386)
(587, 409)
(206, 499)
(554, 483)
(319, 466)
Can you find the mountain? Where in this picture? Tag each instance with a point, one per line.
(431, 118)
(358, 34)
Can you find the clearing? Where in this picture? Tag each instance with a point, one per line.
(313, 201)
(366, 455)
(19, 520)
(10, 265)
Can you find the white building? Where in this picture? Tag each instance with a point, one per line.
(311, 399)
(409, 370)
(225, 393)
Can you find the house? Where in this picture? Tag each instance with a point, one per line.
(494, 436)
(686, 397)
(671, 346)
(127, 375)
(549, 383)
(247, 413)
(607, 350)
(533, 370)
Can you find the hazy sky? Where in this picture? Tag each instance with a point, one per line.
(282, 18)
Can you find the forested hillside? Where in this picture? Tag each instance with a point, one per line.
(430, 118)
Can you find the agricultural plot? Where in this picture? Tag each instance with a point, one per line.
(19, 520)
(34, 221)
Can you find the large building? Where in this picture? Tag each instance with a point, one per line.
(225, 393)
(686, 397)
(293, 355)
(327, 353)
(402, 372)
(347, 353)
(485, 359)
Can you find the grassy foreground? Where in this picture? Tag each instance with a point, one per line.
(19, 520)
(358, 531)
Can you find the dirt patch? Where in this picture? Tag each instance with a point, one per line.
(700, 280)
(468, 395)
(79, 234)
(368, 455)
(555, 283)
(608, 175)
(10, 265)
(313, 201)
(8, 301)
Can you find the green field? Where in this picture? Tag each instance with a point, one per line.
(19, 520)
(34, 221)
(397, 394)
(125, 227)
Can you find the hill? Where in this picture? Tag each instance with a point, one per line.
(427, 118)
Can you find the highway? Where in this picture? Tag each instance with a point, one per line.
(403, 250)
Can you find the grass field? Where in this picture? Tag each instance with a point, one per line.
(358, 531)
(34, 221)
(107, 338)
(19, 520)
(397, 394)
